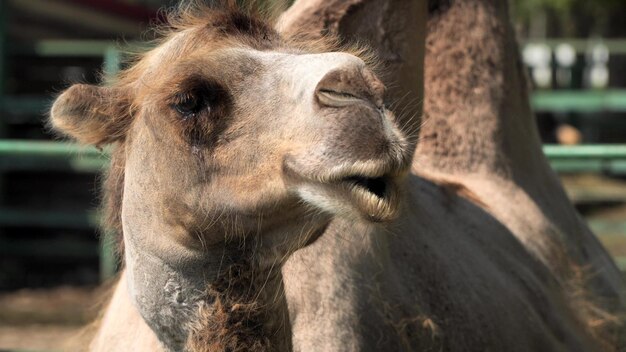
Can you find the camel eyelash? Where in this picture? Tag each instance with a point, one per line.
(188, 105)
(198, 95)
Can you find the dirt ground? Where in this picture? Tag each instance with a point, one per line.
(46, 319)
(36, 337)
(602, 201)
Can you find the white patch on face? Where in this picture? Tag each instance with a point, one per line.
(302, 72)
(318, 197)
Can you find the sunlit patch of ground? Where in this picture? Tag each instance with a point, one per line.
(37, 337)
(602, 201)
(46, 319)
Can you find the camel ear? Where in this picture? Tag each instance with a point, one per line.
(91, 114)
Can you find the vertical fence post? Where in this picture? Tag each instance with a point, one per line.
(3, 55)
(111, 63)
(108, 260)
(3, 77)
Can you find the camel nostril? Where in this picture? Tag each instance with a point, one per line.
(336, 99)
(349, 85)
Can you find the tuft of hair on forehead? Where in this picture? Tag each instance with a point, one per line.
(193, 13)
(250, 20)
(252, 17)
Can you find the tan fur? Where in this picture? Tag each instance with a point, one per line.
(104, 119)
(109, 335)
(456, 189)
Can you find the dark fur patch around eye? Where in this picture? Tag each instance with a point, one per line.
(437, 7)
(202, 107)
(197, 95)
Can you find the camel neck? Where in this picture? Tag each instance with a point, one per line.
(212, 299)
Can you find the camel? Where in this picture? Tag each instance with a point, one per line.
(478, 136)
(264, 195)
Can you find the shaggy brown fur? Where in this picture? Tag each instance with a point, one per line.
(454, 189)
(588, 308)
(236, 321)
(457, 88)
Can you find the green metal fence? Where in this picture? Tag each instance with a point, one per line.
(54, 156)
(602, 158)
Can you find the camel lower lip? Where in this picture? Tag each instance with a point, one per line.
(375, 197)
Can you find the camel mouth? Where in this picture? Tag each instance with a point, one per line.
(374, 185)
(365, 190)
(374, 198)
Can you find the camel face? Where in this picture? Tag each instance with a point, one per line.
(245, 125)
(248, 132)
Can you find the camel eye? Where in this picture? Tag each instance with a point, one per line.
(188, 105)
(199, 98)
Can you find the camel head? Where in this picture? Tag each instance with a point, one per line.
(231, 134)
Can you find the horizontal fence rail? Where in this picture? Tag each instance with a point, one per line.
(17, 154)
(580, 101)
(599, 158)
(44, 156)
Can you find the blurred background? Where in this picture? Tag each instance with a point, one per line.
(51, 256)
